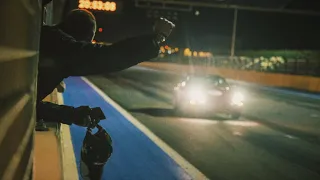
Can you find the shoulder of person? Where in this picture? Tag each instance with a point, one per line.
(53, 32)
(55, 42)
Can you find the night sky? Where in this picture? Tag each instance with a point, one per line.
(212, 29)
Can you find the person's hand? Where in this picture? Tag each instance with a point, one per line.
(61, 87)
(82, 117)
(163, 27)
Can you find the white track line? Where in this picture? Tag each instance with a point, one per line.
(69, 166)
(188, 167)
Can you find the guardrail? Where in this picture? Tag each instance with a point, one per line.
(298, 82)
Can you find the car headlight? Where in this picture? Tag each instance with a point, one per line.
(196, 94)
(237, 98)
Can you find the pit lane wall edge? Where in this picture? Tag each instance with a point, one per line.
(299, 82)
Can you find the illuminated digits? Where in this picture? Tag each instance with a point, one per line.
(81, 5)
(107, 6)
(97, 5)
(113, 6)
(94, 5)
(100, 5)
(87, 4)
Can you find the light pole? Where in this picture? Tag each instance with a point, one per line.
(234, 33)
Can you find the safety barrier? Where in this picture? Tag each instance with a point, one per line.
(299, 82)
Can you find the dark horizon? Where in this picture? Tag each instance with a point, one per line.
(212, 29)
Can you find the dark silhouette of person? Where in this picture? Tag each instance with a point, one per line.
(66, 49)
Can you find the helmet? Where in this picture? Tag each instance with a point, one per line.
(96, 151)
(96, 148)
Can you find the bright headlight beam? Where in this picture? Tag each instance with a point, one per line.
(196, 94)
(237, 98)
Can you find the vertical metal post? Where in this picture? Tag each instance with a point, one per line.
(234, 33)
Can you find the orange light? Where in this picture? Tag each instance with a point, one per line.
(94, 41)
(100, 29)
(162, 49)
(107, 6)
(187, 52)
(166, 47)
(113, 6)
(98, 5)
(87, 4)
(94, 5)
(195, 53)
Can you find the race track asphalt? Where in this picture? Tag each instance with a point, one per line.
(277, 138)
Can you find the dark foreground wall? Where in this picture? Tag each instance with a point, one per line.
(19, 38)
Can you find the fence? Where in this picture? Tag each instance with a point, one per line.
(272, 64)
(298, 82)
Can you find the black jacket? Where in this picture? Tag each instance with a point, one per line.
(62, 56)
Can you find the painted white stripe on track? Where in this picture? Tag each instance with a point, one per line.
(69, 166)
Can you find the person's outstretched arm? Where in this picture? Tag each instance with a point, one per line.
(51, 112)
(81, 116)
(85, 58)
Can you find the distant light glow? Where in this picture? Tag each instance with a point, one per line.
(162, 49)
(241, 123)
(195, 53)
(97, 5)
(187, 52)
(196, 95)
(237, 98)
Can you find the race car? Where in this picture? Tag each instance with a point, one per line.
(207, 95)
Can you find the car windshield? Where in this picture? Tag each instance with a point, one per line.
(208, 81)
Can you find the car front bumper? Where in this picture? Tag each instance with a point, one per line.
(217, 105)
